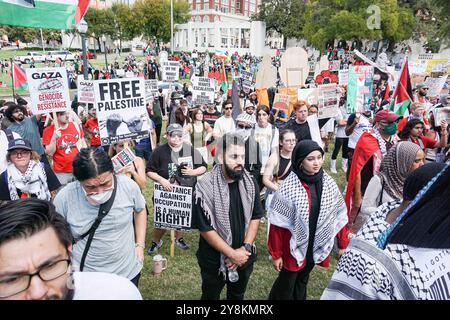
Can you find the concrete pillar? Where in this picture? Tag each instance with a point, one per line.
(239, 37)
(228, 38)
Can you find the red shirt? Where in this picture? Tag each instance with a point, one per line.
(92, 126)
(279, 246)
(66, 146)
(426, 142)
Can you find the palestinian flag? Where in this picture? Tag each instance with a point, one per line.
(223, 79)
(48, 14)
(19, 78)
(402, 97)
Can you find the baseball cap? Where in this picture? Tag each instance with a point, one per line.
(19, 144)
(386, 115)
(421, 86)
(174, 127)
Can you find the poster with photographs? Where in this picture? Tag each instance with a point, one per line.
(359, 88)
(247, 82)
(121, 111)
(328, 101)
(49, 89)
(122, 159)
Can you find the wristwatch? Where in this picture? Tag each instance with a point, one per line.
(248, 247)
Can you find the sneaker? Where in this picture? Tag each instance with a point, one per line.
(155, 246)
(181, 244)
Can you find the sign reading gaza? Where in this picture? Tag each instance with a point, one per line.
(85, 91)
(49, 89)
(173, 210)
(121, 110)
(203, 90)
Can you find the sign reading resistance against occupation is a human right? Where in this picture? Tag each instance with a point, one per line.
(203, 90)
(173, 210)
(121, 110)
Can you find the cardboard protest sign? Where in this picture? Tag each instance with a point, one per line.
(170, 70)
(151, 89)
(359, 88)
(328, 101)
(435, 86)
(203, 90)
(281, 102)
(49, 89)
(310, 95)
(438, 65)
(294, 67)
(173, 210)
(266, 76)
(247, 81)
(121, 111)
(85, 91)
(163, 56)
(343, 77)
(122, 159)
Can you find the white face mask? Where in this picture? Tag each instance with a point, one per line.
(97, 199)
(244, 133)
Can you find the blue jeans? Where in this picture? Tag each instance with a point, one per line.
(144, 153)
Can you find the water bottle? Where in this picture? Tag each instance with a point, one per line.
(233, 275)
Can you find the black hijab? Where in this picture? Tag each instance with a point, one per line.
(301, 151)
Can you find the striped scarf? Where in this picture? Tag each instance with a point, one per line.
(211, 190)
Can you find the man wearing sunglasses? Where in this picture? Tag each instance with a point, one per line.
(35, 259)
(225, 123)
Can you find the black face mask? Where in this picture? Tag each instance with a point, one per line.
(234, 175)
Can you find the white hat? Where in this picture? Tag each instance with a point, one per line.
(245, 117)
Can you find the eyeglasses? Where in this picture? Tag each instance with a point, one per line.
(14, 284)
(21, 153)
(243, 126)
(228, 108)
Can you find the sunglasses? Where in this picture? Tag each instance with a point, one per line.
(228, 108)
(243, 126)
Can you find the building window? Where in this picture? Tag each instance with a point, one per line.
(206, 6)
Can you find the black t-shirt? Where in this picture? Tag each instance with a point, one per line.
(52, 183)
(164, 161)
(301, 130)
(206, 254)
(211, 117)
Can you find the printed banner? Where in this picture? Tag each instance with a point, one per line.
(173, 210)
(121, 111)
(170, 70)
(343, 77)
(359, 88)
(151, 89)
(203, 90)
(435, 86)
(328, 101)
(281, 102)
(247, 81)
(122, 159)
(49, 89)
(85, 91)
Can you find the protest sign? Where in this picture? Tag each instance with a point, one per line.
(334, 65)
(266, 76)
(343, 77)
(173, 210)
(438, 65)
(435, 86)
(247, 81)
(122, 159)
(121, 111)
(85, 91)
(281, 102)
(310, 95)
(203, 90)
(441, 114)
(294, 67)
(151, 89)
(359, 88)
(49, 89)
(328, 101)
(170, 70)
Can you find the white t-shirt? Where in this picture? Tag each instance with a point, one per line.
(103, 286)
(224, 125)
(340, 130)
(4, 148)
(363, 126)
(266, 142)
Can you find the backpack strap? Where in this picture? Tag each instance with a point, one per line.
(9, 134)
(102, 212)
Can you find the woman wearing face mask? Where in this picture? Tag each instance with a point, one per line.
(25, 176)
(115, 247)
(387, 185)
(306, 214)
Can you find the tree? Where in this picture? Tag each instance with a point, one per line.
(152, 17)
(123, 21)
(100, 22)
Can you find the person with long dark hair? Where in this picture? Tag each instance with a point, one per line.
(413, 131)
(117, 244)
(306, 213)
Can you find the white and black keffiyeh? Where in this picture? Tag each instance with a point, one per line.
(289, 209)
(212, 191)
(34, 181)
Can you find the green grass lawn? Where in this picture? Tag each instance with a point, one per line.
(181, 280)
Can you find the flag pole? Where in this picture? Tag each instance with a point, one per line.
(12, 79)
